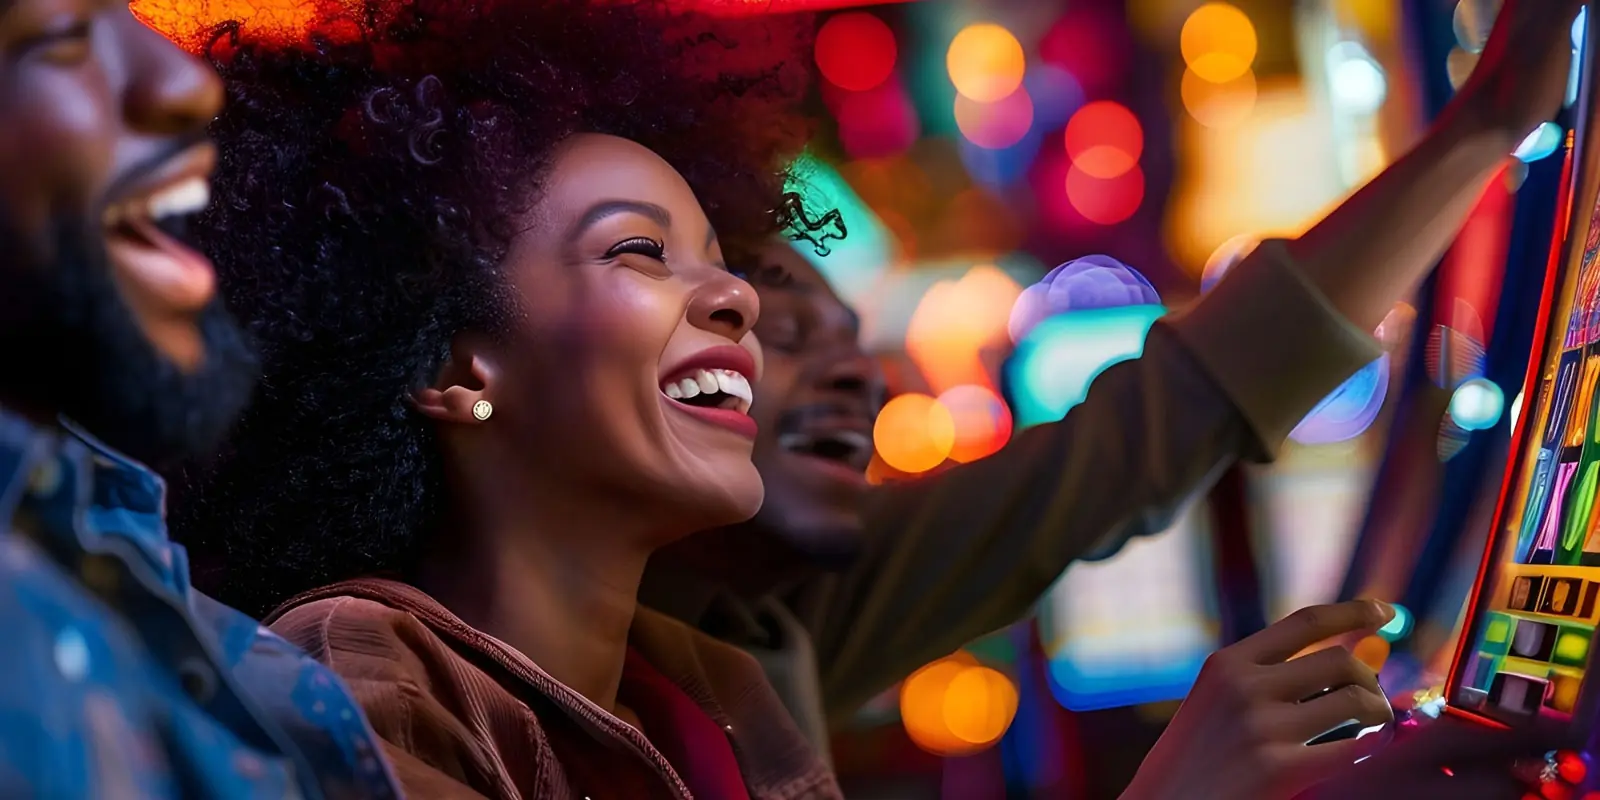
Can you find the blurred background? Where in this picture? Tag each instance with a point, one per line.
(1144, 146)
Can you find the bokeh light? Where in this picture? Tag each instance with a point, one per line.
(997, 125)
(982, 422)
(1092, 44)
(1105, 140)
(1226, 256)
(922, 704)
(1472, 21)
(1102, 201)
(1218, 105)
(1372, 651)
(914, 433)
(985, 62)
(999, 168)
(1544, 140)
(1477, 404)
(1218, 42)
(956, 706)
(878, 122)
(1055, 93)
(956, 322)
(855, 51)
(1349, 410)
(979, 705)
(1400, 626)
(1084, 316)
(1357, 83)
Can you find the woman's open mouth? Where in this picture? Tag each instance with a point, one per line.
(713, 386)
(721, 397)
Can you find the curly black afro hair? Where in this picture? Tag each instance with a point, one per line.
(369, 176)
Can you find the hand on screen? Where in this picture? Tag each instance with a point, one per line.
(1521, 78)
(1455, 759)
(1243, 729)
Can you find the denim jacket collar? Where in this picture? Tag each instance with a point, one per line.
(120, 499)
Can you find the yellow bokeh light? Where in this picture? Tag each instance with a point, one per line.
(1219, 105)
(1218, 42)
(986, 62)
(914, 433)
(922, 703)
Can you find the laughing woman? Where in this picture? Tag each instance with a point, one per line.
(505, 361)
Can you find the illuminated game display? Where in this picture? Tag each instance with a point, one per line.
(1532, 623)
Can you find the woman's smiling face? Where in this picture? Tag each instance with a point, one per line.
(629, 369)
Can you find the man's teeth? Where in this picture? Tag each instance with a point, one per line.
(710, 381)
(180, 199)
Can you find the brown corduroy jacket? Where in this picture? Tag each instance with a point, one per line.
(462, 714)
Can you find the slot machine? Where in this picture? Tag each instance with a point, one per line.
(1529, 635)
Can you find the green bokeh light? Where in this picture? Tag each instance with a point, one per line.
(1058, 360)
(1399, 627)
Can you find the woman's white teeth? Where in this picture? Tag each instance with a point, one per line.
(186, 197)
(707, 381)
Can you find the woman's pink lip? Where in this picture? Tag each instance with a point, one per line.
(730, 357)
(728, 419)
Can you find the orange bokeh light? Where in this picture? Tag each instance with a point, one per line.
(914, 433)
(1219, 105)
(982, 422)
(986, 62)
(855, 51)
(956, 706)
(1104, 139)
(1106, 202)
(979, 705)
(955, 321)
(1218, 42)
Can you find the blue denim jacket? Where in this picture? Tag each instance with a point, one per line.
(117, 679)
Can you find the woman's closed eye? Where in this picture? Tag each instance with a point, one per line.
(639, 245)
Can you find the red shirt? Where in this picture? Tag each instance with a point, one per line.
(694, 744)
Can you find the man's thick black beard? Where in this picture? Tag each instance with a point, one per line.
(69, 345)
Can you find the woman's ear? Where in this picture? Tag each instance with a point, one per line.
(462, 391)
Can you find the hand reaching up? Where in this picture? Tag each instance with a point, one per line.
(1242, 731)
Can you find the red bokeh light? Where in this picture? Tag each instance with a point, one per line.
(1104, 139)
(1106, 201)
(878, 122)
(1092, 45)
(856, 51)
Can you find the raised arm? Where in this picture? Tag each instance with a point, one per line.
(962, 554)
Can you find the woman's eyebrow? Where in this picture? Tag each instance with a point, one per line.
(610, 208)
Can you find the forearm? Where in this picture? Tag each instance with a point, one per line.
(1375, 247)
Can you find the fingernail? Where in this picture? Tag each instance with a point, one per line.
(1385, 611)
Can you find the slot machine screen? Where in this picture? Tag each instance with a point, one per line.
(1524, 657)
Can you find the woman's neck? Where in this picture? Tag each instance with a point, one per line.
(559, 587)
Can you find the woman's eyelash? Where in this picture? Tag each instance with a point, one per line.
(640, 245)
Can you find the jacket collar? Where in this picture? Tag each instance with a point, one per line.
(92, 493)
(776, 759)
